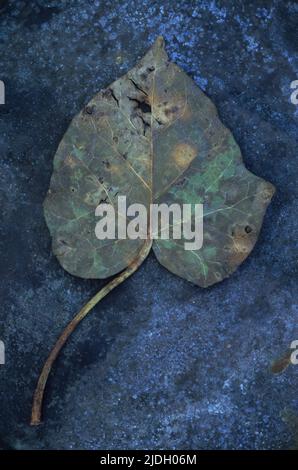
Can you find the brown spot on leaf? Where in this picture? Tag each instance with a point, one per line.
(183, 154)
(242, 242)
(267, 193)
(168, 110)
(70, 161)
(171, 110)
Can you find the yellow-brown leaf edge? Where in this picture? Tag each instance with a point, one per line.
(154, 137)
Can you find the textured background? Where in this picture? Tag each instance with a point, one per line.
(160, 363)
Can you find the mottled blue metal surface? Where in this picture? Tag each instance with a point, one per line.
(160, 363)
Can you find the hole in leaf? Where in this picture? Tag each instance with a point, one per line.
(89, 109)
(144, 107)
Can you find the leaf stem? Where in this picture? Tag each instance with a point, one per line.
(42, 381)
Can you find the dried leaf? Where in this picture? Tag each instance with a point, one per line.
(154, 137)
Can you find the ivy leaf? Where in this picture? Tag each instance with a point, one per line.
(154, 137)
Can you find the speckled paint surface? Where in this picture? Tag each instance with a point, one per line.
(160, 363)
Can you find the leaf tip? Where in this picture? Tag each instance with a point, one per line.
(159, 46)
(159, 50)
(160, 42)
